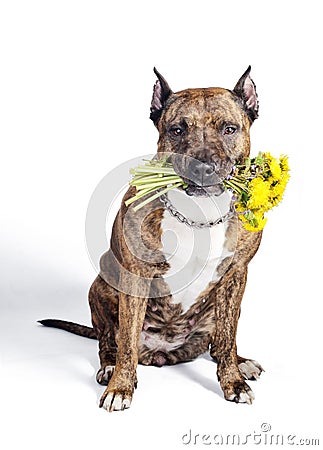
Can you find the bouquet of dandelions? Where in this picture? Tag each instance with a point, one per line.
(257, 185)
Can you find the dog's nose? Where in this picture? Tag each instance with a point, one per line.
(201, 173)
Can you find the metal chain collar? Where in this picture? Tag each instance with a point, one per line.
(189, 222)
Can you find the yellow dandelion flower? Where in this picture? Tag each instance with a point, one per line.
(259, 227)
(283, 160)
(256, 221)
(240, 207)
(275, 169)
(243, 218)
(277, 190)
(259, 192)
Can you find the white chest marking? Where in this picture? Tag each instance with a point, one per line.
(193, 254)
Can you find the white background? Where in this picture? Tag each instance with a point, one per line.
(76, 82)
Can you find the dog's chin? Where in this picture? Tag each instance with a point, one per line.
(204, 191)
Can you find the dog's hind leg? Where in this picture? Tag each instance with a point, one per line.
(107, 355)
(249, 368)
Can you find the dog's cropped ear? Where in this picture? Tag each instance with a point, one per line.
(161, 93)
(246, 90)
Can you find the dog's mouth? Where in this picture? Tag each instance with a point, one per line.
(204, 191)
(201, 177)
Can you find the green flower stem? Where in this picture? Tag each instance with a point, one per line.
(144, 178)
(159, 185)
(155, 181)
(158, 194)
(146, 169)
(140, 194)
(235, 185)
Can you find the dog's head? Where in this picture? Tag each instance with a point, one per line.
(205, 132)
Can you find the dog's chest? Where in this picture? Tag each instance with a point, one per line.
(194, 254)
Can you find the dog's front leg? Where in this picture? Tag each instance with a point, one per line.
(132, 308)
(228, 295)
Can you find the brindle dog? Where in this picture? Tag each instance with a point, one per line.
(135, 317)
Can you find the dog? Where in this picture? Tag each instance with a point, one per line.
(153, 305)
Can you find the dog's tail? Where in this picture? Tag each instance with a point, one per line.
(71, 327)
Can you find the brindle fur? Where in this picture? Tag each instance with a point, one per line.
(129, 300)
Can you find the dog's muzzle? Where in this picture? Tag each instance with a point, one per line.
(201, 173)
(202, 179)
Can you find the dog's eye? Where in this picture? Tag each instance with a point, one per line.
(229, 130)
(176, 131)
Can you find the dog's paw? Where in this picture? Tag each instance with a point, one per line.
(250, 369)
(115, 400)
(104, 375)
(239, 392)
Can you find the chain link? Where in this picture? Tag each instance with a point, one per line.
(189, 222)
